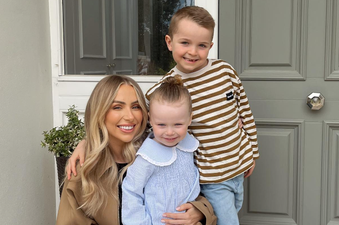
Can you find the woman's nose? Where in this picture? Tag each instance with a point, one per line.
(129, 114)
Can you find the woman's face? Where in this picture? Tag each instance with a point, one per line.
(124, 118)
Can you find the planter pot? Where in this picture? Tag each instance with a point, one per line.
(61, 163)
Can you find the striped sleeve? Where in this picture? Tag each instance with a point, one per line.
(245, 113)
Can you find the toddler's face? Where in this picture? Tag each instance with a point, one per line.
(190, 45)
(169, 121)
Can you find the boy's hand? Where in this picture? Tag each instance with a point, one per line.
(250, 171)
(240, 124)
(78, 154)
(191, 217)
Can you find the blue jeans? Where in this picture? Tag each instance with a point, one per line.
(226, 198)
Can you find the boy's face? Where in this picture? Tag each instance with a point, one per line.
(169, 121)
(190, 45)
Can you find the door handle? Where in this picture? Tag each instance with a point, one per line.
(111, 65)
(315, 101)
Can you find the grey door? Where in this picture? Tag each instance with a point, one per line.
(284, 50)
(124, 30)
(100, 36)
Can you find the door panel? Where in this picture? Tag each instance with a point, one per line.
(283, 51)
(124, 37)
(100, 37)
(85, 37)
(278, 26)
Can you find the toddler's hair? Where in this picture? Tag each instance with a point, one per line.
(196, 14)
(172, 90)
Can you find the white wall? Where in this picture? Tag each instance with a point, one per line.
(27, 193)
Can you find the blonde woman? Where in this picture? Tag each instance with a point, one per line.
(115, 121)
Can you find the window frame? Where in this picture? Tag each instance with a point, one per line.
(57, 49)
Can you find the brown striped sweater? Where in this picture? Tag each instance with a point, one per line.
(219, 99)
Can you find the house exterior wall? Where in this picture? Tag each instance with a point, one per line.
(27, 191)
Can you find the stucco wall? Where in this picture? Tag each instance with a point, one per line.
(27, 194)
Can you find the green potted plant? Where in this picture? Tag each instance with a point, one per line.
(61, 141)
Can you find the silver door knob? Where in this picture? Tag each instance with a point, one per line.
(111, 65)
(315, 101)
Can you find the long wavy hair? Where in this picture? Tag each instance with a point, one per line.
(99, 174)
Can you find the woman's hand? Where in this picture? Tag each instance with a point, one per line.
(78, 154)
(191, 217)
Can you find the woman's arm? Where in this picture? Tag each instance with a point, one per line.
(198, 211)
(68, 213)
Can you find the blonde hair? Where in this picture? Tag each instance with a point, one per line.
(99, 175)
(172, 90)
(196, 14)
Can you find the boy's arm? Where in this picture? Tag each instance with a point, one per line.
(78, 154)
(133, 206)
(246, 114)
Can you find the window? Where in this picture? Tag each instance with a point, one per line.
(118, 36)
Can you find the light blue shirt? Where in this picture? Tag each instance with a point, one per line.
(160, 179)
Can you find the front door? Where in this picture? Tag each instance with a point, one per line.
(100, 36)
(284, 51)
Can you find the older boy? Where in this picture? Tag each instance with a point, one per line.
(227, 152)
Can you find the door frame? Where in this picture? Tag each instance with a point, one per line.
(62, 82)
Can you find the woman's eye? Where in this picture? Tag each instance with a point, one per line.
(116, 107)
(136, 107)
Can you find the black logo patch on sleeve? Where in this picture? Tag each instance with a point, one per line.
(229, 96)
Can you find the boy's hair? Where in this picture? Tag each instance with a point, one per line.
(196, 14)
(172, 90)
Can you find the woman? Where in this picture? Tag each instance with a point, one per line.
(115, 120)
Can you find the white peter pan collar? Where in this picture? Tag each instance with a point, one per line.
(160, 155)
